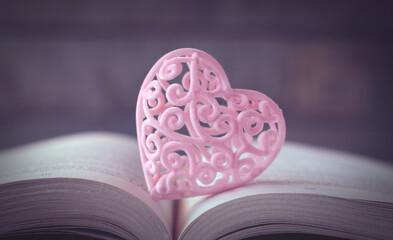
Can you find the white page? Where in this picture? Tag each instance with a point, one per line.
(299, 163)
(303, 169)
(103, 157)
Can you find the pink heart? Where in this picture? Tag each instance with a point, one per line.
(196, 134)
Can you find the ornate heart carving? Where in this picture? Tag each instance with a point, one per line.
(196, 134)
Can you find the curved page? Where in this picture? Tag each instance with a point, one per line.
(106, 158)
(298, 172)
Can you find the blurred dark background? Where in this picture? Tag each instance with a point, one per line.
(71, 66)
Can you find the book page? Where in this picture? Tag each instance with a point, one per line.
(300, 163)
(102, 157)
(302, 169)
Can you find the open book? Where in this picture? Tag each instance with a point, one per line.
(92, 185)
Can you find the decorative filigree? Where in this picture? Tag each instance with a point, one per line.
(196, 134)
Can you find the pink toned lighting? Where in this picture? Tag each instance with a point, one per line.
(196, 134)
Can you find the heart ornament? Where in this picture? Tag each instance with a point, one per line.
(196, 134)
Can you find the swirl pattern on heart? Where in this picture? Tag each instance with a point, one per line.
(196, 134)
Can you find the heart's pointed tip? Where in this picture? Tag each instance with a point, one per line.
(155, 195)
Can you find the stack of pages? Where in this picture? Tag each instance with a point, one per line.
(92, 185)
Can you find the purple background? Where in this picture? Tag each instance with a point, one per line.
(76, 66)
